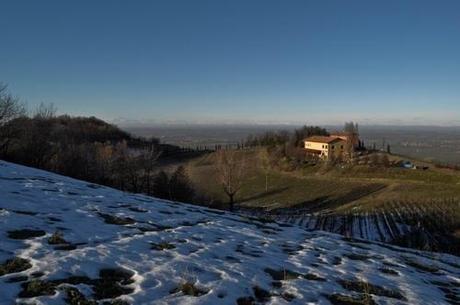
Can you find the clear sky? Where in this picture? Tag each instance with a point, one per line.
(237, 61)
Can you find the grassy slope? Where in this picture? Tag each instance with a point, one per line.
(338, 188)
(427, 199)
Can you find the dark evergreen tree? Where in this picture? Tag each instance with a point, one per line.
(161, 186)
(180, 186)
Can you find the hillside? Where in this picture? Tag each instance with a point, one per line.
(66, 241)
(413, 208)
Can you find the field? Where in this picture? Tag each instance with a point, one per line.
(352, 187)
(419, 208)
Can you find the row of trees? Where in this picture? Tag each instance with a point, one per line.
(282, 137)
(86, 148)
(285, 145)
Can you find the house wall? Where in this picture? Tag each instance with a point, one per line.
(336, 148)
(323, 147)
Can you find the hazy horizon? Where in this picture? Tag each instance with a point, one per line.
(132, 123)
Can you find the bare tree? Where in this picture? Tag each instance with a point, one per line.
(148, 161)
(10, 108)
(351, 127)
(230, 171)
(349, 148)
(352, 142)
(265, 163)
(45, 111)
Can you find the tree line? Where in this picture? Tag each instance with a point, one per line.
(286, 145)
(87, 148)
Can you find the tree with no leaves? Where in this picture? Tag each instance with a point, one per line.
(45, 111)
(265, 164)
(230, 170)
(10, 108)
(148, 160)
(352, 130)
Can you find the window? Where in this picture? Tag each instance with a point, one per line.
(341, 147)
(332, 147)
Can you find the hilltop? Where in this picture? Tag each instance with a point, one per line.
(66, 241)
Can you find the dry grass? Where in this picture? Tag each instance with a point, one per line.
(421, 198)
(337, 188)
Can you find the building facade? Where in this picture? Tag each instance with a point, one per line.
(326, 147)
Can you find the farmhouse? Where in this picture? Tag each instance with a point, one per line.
(326, 147)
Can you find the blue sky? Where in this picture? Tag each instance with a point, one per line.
(237, 61)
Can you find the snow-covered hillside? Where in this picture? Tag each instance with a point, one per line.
(64, 241)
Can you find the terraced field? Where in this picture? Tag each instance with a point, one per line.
(428, 227)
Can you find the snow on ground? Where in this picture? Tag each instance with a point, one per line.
(120, 248)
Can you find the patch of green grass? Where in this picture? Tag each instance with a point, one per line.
(282, 274)
(61, 244)
(74, 280)
(138, 210)
(340, 299)
(116, 220)
(357, 256)
(336, 188)
(57, 239)
(336, 260)
(162, 246)
(37, 288)
(115, 302)
(430, 197)
(421, 267)
(313, 277)
(246, 301)
(111, 283)
(368, 288)
(388, 271)
(14, 265)
(25, 234)
(66, 247)
(190, 289)
(288, 296)
(75, 297)
(261, 294)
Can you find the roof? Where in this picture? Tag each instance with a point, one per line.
(323, 139)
